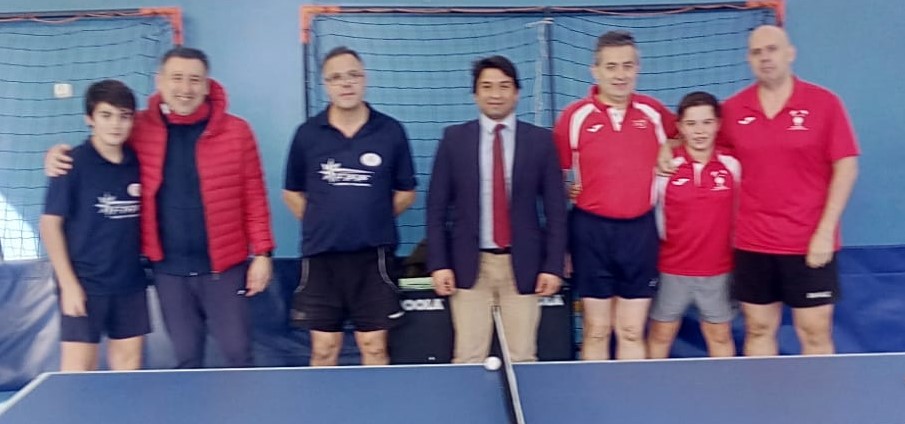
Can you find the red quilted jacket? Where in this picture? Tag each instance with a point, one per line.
(232, 183)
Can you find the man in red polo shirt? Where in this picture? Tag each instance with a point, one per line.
(796, 145)
(609, 140)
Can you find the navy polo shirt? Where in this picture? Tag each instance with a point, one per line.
(99, 203)
(349, 182)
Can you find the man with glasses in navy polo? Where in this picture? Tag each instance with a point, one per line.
(348, 175)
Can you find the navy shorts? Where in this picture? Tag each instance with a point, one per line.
(357, 286)
(614, 257)
(764, 278)
(119, 316)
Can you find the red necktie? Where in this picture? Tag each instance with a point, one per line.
(501, 228)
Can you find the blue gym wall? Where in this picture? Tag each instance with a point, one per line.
(255, 52)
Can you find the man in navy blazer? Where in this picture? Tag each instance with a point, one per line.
(488, 241)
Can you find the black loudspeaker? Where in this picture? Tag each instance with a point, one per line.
(554, 335)
(425, 334)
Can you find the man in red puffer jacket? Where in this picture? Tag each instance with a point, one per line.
(204, 209)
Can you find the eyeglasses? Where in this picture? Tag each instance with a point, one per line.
(351, 77)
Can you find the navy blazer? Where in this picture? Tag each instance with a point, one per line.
(454, 216)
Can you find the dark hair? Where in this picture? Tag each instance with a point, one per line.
(108, 91)
(339, 51)
(186, 53)
(615, 39)
(698, 98)
(493, 62)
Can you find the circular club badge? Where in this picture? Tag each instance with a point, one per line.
(134, 189)
(371, 159)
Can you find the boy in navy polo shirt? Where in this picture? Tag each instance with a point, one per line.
(90, 229)
(349, 173)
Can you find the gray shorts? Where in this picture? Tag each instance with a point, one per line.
(710, 295)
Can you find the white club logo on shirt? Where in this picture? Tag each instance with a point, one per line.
(639, 123)
(798, 117)
(112, 208)
(370, 159)
(334, 173)
(134, 189)
(719, 180)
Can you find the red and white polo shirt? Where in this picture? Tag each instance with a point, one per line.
(613, 152)
(788, 163)
(695, 210)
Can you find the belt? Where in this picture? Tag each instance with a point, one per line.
(498, 251)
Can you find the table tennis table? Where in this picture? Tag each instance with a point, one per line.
(843, 389)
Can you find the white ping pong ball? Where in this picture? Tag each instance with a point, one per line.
(492, 363)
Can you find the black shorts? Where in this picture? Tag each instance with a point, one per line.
(119, 316)
(358, 286)
(764, 278)
(614, 257)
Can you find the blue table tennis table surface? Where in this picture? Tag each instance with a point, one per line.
(843, 389)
